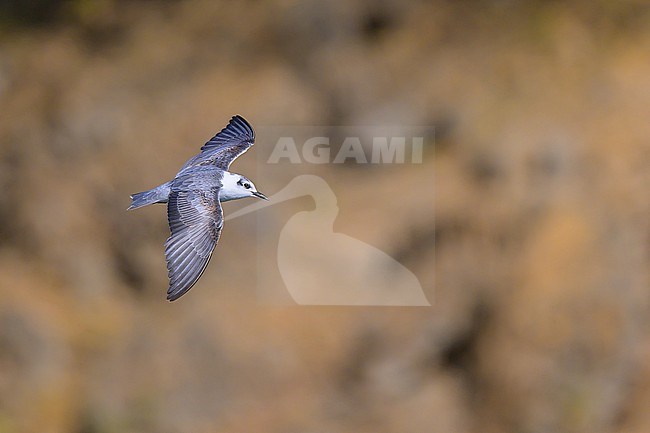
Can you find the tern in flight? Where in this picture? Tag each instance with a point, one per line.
(193, 203)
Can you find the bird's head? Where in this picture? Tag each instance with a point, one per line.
(236, 186)
(247, 188)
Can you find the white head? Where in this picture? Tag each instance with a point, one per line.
(236, 186)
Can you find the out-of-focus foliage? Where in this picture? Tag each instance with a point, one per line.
(535, 200)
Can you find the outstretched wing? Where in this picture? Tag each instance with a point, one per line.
(195, 220)
(226, 146)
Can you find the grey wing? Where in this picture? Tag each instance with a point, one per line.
(222, 149)
(195, 220)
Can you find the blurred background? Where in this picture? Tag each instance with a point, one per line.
(534, 198)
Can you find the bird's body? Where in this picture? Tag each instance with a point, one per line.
(193, 200)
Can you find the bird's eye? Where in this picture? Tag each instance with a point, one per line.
(247, 185)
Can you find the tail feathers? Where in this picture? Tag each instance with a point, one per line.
(140, 199)
(159, 194)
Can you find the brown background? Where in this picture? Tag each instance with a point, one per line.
(541, 234)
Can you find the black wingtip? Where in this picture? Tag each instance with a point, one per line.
(237, 131)
(239, 121)
(172, 296)
(239, 117)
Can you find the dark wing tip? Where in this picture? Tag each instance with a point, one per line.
(176, 291)
(243, 125)
(237, 131)
(180, 287)
(171, 297)
(187, 256)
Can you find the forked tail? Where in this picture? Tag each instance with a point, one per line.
(159, 194)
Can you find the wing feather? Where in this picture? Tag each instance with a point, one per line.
(222, 149)
(195, 220)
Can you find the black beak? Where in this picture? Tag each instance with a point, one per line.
(260, 195)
